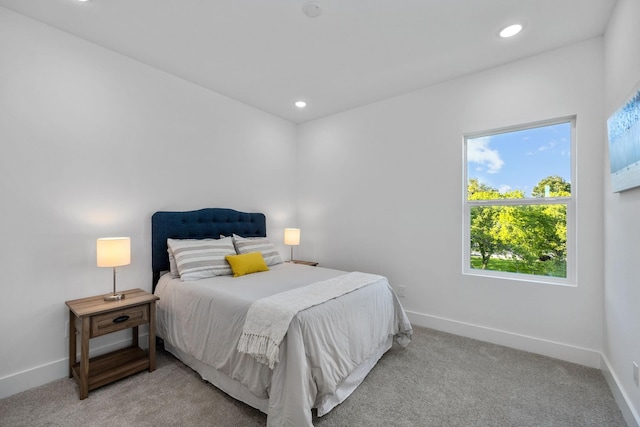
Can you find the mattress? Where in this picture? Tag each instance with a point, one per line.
(328, 349)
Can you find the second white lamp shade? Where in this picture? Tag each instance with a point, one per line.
(113, 252)
(292, 238)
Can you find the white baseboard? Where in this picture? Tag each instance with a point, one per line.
(43, 374)
(33, 377)
(622, 399)
(569, 353)
(582, 356)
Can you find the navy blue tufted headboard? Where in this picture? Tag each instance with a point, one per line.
(207, 223)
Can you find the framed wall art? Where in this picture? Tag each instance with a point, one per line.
(623, 129)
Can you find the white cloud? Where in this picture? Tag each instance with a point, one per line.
(478, 151)
(549, 146)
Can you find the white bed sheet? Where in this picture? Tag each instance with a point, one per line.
(328, 349)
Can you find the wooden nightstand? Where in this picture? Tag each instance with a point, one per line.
(311, 263)
(93, 317)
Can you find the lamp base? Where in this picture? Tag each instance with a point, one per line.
(114, 297)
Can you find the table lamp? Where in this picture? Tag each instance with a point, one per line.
(292, 238)
(113, 252)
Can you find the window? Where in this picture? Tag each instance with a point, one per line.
(518, 202)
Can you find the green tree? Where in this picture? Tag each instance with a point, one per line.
(474, 187)
(485, 224)
(483, 220)
(556, 235)
(528, 234)
(557, 187)
(525, 230)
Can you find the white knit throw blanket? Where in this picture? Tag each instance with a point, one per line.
(268, 318)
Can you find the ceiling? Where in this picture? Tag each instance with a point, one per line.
(268, 53)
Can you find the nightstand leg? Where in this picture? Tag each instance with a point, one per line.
(72, 342)
(84, 358)
(152, 336)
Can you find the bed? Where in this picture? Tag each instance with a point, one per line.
(327, 349)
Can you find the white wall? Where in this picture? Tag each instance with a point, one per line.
(380, 189)
(622, 225)
(93, 143)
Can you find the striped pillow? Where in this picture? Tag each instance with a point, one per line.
(173, 267)
(245, 245)
(199, 259)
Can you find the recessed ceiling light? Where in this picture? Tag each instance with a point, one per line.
(311, 9)
(511, 30)
(300, 104)
(83, 1)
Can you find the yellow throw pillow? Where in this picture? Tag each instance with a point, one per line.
(252, 262)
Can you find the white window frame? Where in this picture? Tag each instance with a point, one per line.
(570, 202)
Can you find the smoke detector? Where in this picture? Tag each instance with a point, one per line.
(311, 9)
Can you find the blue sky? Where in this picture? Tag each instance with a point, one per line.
(519, 160)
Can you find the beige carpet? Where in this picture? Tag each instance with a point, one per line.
(439, 380)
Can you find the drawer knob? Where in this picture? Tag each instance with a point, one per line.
(120, 319)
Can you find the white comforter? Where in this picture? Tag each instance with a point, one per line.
(324, 343)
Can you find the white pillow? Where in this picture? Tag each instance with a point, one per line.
(199, 259)
(244, 245)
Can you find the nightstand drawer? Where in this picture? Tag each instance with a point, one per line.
(119, 320)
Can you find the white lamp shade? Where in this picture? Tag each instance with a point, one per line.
(113, 251)
(292, 236)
